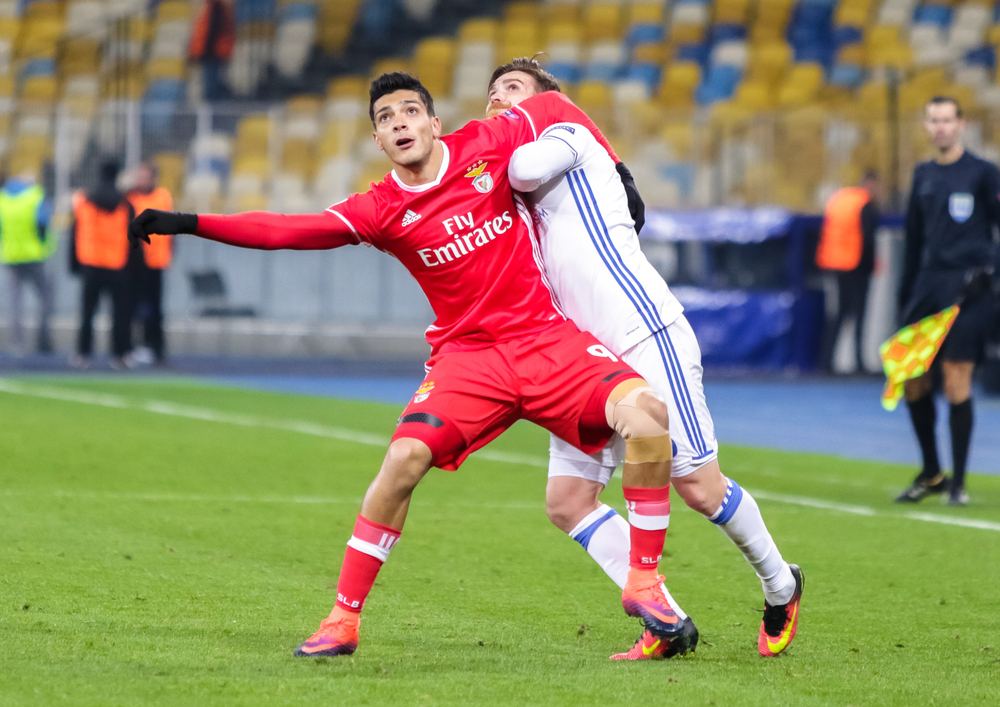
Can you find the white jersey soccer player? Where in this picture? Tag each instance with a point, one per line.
(603, 282)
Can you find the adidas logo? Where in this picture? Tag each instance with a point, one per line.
(410, 217)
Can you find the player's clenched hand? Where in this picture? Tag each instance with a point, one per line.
(636, 208)
(163, 223)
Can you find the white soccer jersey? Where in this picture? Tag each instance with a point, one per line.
(589, 247)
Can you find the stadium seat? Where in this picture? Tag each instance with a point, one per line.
(295, 37)
(434, 64)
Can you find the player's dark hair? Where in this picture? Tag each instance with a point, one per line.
(545, 80)
(397, 81)
(943, 100)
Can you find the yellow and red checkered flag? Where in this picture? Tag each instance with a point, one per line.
(910, 352)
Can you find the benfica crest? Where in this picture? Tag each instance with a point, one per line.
(481, 179)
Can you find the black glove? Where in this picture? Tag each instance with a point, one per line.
(163, 223)
(977, 284)
(635, 206)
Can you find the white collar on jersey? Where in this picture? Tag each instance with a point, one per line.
(429, 185)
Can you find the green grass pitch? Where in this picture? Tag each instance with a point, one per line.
(150, 557)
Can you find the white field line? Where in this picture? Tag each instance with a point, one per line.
(368, 439)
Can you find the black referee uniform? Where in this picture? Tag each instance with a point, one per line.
(950, 254)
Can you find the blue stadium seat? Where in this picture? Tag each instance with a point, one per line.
(984, 56)
(817, 53)
(248, 11)
(601, 72)
(38, 67)
(160, 103)
(719, 84)
(299, 11)
(934, 14)
(847, 76)
(723, 33)
(644, 34)
(564, 72)
(847, 34)
(681, 173)
(693, 52)
(649, 74)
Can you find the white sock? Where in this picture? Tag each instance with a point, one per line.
(605, 536)
(739, 518)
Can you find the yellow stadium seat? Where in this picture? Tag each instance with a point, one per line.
(882, 36)
(529, 11)
(682, 74)
(39, 88)
(173, 10)
(478, 30)
(171, 166)
(602, 21)
(854, 15)
(853, 54)
(993, 35)
(650, 13)
(166, 69)
(434, 64)
(562, 11)
(686, 34)
(679, 135)
(256, 126)
(9, 27)
(652, 53)
(769, 61)
(333, 36)
(350, 86)
(253, 165)
(733, 12)
(390, 64)
(564, 31)
(45, 9)
(299, 157)
(754, 95)
(801, 84)
(306, 103)
(6, 86)
(899, 56)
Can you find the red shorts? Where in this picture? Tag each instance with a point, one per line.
(559, 379)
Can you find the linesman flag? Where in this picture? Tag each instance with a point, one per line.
(910, 352)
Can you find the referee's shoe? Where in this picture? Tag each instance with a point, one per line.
(923, 487)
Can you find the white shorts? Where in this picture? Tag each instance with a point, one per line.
(670, 361)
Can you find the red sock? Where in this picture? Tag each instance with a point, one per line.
(367, 551)
(648, 517)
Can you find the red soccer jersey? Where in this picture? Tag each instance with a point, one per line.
(465, 237)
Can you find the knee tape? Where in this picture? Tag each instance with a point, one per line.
(646, 450)
(639, 412)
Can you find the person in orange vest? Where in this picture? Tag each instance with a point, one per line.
(156, 255)
(847, 253)
(213, 38)
(101, 251)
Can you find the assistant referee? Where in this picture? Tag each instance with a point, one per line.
(950, 254)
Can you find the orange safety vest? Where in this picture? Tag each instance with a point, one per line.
(157, 253)
(101, 236)
(225, 37)
(841, 240)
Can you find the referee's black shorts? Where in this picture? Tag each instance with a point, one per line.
(935, 290)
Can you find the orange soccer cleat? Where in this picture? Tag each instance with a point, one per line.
(780, 622)
(336, 636)
(650, 647)
(643, 598)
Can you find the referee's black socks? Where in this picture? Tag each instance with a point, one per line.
(960, 422)
(924, 417)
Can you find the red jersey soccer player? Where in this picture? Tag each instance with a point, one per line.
(501, 348)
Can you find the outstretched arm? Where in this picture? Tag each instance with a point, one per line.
(256, 229)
